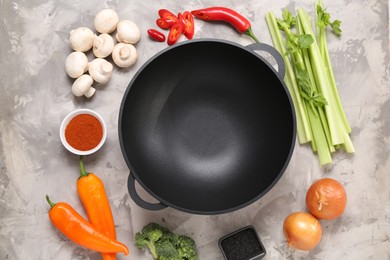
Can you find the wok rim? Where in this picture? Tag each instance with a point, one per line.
(189, 210)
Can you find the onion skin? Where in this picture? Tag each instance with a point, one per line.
(302, 230)
(326, 199)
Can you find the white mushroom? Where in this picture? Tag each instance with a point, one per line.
(127, 32)
(124, 55)
(76, 64)
(106, 21)
(81, 39)
(103, 45)
(100, 70)
(83, 86)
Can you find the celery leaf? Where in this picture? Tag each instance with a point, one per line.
(305, 40)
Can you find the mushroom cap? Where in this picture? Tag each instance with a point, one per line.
(106, 21)
(76, 64)
(81, 39)
(127, 32)
(103, 45)
(83, 86)
(124, 55)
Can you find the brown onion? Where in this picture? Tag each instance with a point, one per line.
(326, 199)
(302, 230)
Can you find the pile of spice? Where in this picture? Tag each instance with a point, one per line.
(244, 244)
(84, 132)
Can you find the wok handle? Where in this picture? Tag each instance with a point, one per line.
(138, 200)
(274, 53)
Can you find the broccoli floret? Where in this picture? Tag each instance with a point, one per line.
(187, 248)
(171, 238)
(166, 250)
(148, 236)
(166, 245)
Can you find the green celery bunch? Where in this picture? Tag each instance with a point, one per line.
(309, 77)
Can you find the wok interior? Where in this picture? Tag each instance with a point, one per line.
(206, 127)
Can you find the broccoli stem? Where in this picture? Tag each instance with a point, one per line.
(152, 249)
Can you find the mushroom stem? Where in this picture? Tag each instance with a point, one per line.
(125, 52)
(100, 70)
(90, 92)
(124, 55)
(83, 86)
(106, 68)
(103, 45)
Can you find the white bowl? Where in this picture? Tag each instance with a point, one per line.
(65, 123)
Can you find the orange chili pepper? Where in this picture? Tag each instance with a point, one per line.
(79, 230)
(94, 198)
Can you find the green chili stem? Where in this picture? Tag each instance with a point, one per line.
(51, 203)
(251, 34)
(83, 173)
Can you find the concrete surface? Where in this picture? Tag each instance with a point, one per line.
(36, 96)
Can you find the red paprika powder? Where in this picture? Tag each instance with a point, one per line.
(84, 132)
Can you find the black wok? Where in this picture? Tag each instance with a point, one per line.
(207, 126)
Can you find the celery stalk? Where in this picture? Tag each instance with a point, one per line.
(321, 112)
(319, 138)
(348, 145)
(321, 33)
(303, 126)
(334, 89)
(309, 77)
(323, 83)
(320, 131)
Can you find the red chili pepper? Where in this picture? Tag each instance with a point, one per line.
(168, 16)
(164, 24)
(216, 13)
(175, 32)
(156, 35)
(189, 25)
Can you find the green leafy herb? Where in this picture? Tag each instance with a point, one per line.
(288, 18)
(305, 40)
(295, 43)
(323, 20)
(335, 25)
(311, 95)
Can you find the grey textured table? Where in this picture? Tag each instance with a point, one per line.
(36, 95)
